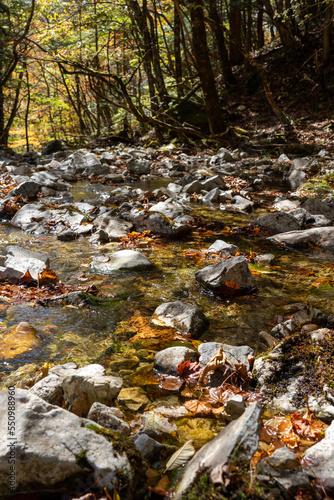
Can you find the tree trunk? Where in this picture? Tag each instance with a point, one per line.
(217, 29)
(259, 26)
(236, 56)
(204, 69)
(327, 36)
(177, 52)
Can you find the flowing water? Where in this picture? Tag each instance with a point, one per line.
(90, 334)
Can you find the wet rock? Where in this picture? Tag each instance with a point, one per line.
(323, 236)
(27, 189)
(99, 237)
(149, 447)
(213, 182)
(193, 187)
(218, 277)
(87, 386)
(54, 452)
(318, 207)
(283, 466)
(266, 259)
(15, 261)
(223, 156)
(241, 203)
(233, 353)
(50, 389)
(241, 434)
(67, 235)
(158, 223)
(168, 360)
(277, 222)
(188, 317)
(169, 209)
(109, 418)
(123, 259)
(268, 339)
(134, 398)
(235, 406)
(283, 205)
(138, 167)
(284, 329)
(223, 247)
(50, 180)
(212, 196)
(115, 228)
(297, 173)
(20, 339)
(52, 147)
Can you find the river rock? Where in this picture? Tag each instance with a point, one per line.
(149, 447)
(188, 317)
(115, 228)
(219, 277)
(138, 167)
(168, 360)
(241, 203)
(27, 189)
(223, 247)
(213, 182)
(235, 406)
(320, 457)
(55, 452)
(297, 173)
(87, 386)
(123, 259)
(212, 196)
(158, 223)
(134, 398)
(109, 418)
(239, 440)
(233, 353)
(283, 466)
(50, 389)
(169, 209)
(277, 222)
(193, 187)
(15, 261)
(318, 207)
(323, 236)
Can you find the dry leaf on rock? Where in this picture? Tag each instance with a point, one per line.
(218, 360)
(181, 456)
(198, 407)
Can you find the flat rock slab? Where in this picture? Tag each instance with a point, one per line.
(168, 360)
(123, 259)
(188, 317)
(275, 223)
(227, 277)
(320, 456)
(16, 260)
(323, 236)
(54, 452)
(240, 437)
(233, 353)
(115, 228)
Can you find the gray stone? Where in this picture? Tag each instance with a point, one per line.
(115, 228)
(188, 317)
(50, 389)
(240, 437)
(213, 182)
(27, 189)
(15, 261)
(268, 339)
(87, 386)
(277, 222)
(241, 203)
(284, 329)
(283, 466)
(169, 209)
(109, 418)
(223, 247)
(158, 223)
(54, 452)
(123, 259)
(148, 447)
(168, 360)
(283, 205)
(318, 207)
(235, 406)
(30, 216)
(233, 353)
(212, 196)
(215, 276)
(266, 259)
(193, 187)
(138, 167)
(297, 173)
(323, 236)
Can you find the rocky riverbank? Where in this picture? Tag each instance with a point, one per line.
(168, 406)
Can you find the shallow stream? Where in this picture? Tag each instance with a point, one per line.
(89, 334)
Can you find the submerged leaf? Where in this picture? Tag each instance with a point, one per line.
(180, 456)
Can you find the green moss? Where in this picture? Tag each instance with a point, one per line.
(81, 459)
